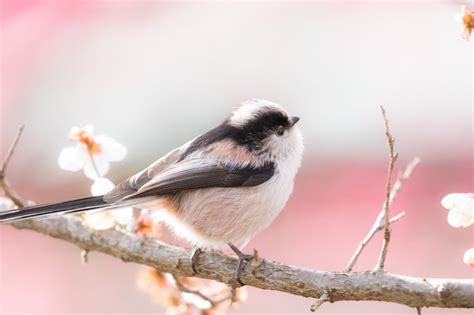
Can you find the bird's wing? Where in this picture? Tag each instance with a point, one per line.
(170, 175)
(199, 173)
(133, 183)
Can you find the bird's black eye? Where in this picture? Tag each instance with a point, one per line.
(280, 130)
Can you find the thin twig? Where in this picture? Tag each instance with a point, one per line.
(378, 226)
(323, 298)
(402, 177)
(378, 223)
(418, 310)
(12, 194)
(233, 294)
(183, 288)
(395, 218)
(11, 150)
(388, 193)
(84, 256)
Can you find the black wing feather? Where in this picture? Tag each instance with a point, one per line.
(70, 206)
(209, 176)
(197, 174)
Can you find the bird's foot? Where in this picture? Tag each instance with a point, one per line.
(243, 260)
(194, 257)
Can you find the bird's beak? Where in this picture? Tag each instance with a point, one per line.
(294, 120)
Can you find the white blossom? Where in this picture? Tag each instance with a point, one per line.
(461, 209)
(197, 301)
(107, 219)
(125, 217)
(101, 186)
(469, 257)
(91, 153)
(466, 20)
(122, 216)
(464, 10)
(6, 204)
(98, 220)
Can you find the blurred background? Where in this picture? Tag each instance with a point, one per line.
(156, 74)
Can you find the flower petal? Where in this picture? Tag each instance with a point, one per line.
(461, 209)
(454, 220)
(450, 200)
(101, 186)
(459, 18)
(72, 158)
(125, 217)
(6, 204)
(89, 128)
(110, 148)
(101, 220)
(96, 168)
(469, 257)
(459, 219)
(76, 132)
(197, 301)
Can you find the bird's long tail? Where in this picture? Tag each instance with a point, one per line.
(70, 206)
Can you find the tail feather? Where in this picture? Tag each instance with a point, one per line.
(70, 206)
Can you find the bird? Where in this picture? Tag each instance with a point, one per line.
(219, 189)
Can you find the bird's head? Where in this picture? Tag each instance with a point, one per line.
(267, 129)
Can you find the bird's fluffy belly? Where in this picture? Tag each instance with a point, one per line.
(216, 216)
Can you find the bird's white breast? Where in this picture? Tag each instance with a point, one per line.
(216, 216)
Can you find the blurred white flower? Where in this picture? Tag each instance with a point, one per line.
(91, 153)
(94, 154)
(98, 220)
(195, 300)
(469, 257)
(125, 217)
(461, 209)
(6, 204)
(107, 219)
(101, 186)
(122, 216)
(466, 19)
(160, 287)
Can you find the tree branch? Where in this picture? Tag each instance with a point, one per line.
(340, 286)
(386, 207)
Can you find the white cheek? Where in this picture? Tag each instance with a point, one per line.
(287, 147)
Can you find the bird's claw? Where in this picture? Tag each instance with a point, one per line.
(194, 257)
(243, 260)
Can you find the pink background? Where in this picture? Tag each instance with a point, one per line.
(153, 75)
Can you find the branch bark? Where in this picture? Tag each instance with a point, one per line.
(339, 286)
